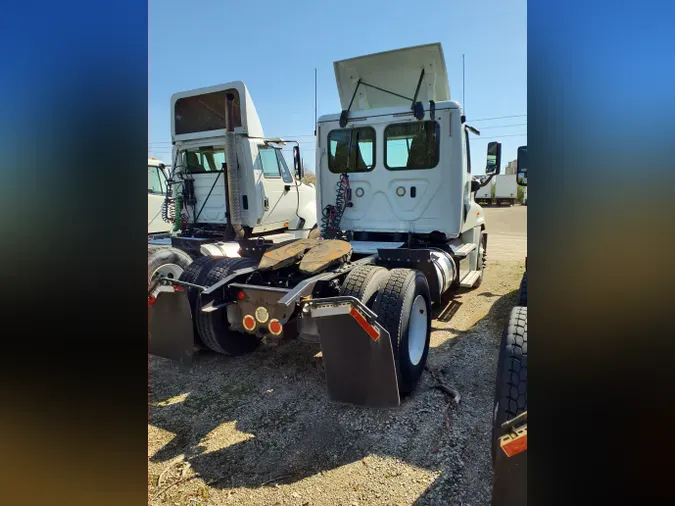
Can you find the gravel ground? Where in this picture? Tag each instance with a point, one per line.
(259, 429)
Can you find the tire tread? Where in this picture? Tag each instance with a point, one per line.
(223, 340)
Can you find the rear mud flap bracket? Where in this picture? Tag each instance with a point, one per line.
(357, 353)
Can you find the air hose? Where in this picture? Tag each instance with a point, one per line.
(332, 214)
(169, 205)
(178, 215)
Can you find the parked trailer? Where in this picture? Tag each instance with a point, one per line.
(505, 190)
(399, 229)
(484, 195)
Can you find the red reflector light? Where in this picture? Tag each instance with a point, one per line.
(241, 296)
(514, 445)
(370, 330)
(178, 288)
(151, 301)
(249, 322)
(275, 327)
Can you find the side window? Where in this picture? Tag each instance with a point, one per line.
(269, 162)
(285, 173)
(155, 181)
(412, 145)
(468, 151)
(202, 160)
(361, 157)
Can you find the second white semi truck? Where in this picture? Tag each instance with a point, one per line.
(505, 190)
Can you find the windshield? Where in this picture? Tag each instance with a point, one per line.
(156, 180)
(203, 159)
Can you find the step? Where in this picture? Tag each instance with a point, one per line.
(280, 237)
(470, 279)
(371, 247)
(464, 250)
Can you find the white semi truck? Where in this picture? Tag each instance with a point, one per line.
(228, 182)
(157, 186)
(399, 228)
(484, 195)
(505, 190)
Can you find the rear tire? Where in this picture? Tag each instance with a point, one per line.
(192, 275)
(482, 258)
(522, 298)
(404, 309)
(213, 327)
(511, 390)
(365, 283)
(169, 261)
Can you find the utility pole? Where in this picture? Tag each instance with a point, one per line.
(315, 99)
(463, 85)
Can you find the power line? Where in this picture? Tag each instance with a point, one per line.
(500, 117)
(503, 126)
(481, 138)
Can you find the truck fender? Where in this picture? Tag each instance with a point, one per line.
(307, 212)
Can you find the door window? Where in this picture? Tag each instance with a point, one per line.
(269, 163)
(155, 180)
(285, 173)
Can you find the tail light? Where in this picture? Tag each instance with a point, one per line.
(275, 327)
(249, 322)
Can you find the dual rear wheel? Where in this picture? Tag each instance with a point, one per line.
(402, 301)
(212, 330)
(399, 297)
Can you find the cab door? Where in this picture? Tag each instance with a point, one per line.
(156, 195)
(280, 194)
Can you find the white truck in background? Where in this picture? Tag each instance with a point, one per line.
(483, 196)
(505, 190)
(157, 176)
(229, 184)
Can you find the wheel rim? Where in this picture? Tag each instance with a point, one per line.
(172, 271)
(417, 330)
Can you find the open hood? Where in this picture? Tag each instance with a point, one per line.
(397, 71)
(201, 112)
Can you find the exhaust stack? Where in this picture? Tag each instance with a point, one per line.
(232, 174)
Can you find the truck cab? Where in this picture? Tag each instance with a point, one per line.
(229, 180)
(405, 150)
(157, 176)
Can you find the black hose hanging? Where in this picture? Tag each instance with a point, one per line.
(332, 214)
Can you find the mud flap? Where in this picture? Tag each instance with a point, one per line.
(357, 353)
(171, 329)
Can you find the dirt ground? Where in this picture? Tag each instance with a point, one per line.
(259, 430)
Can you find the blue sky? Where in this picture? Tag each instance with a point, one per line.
(274, 48)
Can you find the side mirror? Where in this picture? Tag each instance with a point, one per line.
(297, 162)
(521, 166)
(494, 158)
